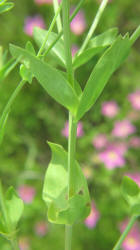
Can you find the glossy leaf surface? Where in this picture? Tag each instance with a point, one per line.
(129, 187)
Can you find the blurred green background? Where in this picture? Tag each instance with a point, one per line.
(36, 118)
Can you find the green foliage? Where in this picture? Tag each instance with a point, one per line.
(61, 209)
(57, 51)
(129, 187)
(100, 75)
(105, 39)
(14, 206)
(50, 79)
(4, 6)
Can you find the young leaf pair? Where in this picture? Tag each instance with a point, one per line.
(5, 6)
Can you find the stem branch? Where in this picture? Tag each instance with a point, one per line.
(126, 231)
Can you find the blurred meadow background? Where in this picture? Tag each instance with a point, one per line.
(108, 137)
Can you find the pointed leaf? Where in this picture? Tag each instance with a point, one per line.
(106, 66)
(62, 210)
(86, 56)
(58, 49)
(50, 79)
(14, 205)
(129, 187)
(7, 68)
(104, 39)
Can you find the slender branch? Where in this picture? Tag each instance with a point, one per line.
(94, 25)
(6, 110)
(72, 124)
(58, 20)
(49, 31)
(135, 35)
(61, 33)
(3, 208)
(126, 231)
(68, 236)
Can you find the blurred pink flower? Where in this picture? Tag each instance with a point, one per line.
(78, 24)
(74, 49)
(135, 177)
(93, 217)
(123, 128)
(110, 109)
(100, 141)
(87, 172)
(120, 147)
(41, 2)
(65, 130)
(41, 228)
(23, 243)
(112, 158)
(31, 22)
(132, 240)
(134, 98)
(134, 142)
(26, 193)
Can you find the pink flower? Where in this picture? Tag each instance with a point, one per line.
(123, 129)
(65, 130)
(41, 228)
(31, 22)
(41, 2)
(134, 98)
(78, 24)
(26, 193)
(23, 243)
(134, 142)
(132, 240)
(120, 147)
(93, 217)
(112, 158)
(74, 49)
(110, 109)
(100, 141)
(135, 177)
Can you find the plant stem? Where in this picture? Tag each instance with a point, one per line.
(14, 244)
(68, 236)
(61, 33)
(49, 31)
(126, 231)
(94, 25)
(135, 35)
(58, 20)
(7, 108)
(72, 123)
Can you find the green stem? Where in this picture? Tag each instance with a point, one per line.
(135, 35)
(61, 33)
(58, 20)
(14, 244)
(126, 231)
(7, 108)
(68, 236)
(94, 25)
(49, 31)
(72, 124)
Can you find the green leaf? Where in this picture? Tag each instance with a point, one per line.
(106, 66)
(62, 210)
(6, 7)
(86, 56)
(57, 51)
(14, 206)
(104, 39)
(50, 79)
(129, 187)
(30, 48)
